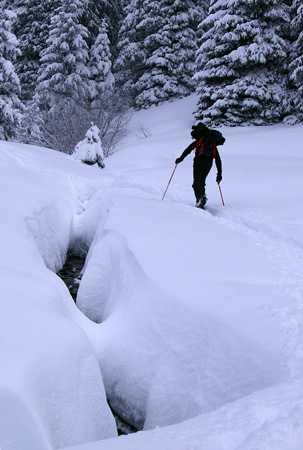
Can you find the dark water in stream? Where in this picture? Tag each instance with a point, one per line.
(71, 274)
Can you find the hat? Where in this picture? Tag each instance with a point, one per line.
(200, 126)
(199, 130)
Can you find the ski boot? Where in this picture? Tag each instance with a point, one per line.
(201, 202)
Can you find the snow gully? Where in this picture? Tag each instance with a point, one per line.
(71, 274)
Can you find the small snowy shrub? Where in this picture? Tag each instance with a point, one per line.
(144, 132)
(65, 124)
(89, 151)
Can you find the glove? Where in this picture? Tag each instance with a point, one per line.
(219, 177)
(178, 160)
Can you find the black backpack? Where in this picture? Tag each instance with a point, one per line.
(220, 139)
(207, 144)
(208, 139)
(200, 130)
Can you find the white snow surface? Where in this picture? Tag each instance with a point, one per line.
(51, 389)
(191, 320)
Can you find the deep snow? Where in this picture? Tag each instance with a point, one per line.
(198, 313)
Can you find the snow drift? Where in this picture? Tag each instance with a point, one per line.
(51, 388)
(153, 345)
(198, 313)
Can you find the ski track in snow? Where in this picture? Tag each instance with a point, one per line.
(278, 238)
(283, 247)
(284, 251)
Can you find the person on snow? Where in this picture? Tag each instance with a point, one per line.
(205, 146)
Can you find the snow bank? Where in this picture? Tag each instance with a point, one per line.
(179, 323)
(194, 302)
(200, 311)
(51, 388)
(271, 419)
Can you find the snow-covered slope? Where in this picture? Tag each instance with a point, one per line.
(51, 390)
(198, 313)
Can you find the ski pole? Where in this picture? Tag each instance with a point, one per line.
(169, 181)
(221, 195)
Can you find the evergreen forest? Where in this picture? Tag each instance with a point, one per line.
(67, 63)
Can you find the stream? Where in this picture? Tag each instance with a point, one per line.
(71, 274)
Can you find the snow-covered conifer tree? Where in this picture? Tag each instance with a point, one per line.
(296, 66)
(198, 11)
(240, 63)
(31, 28)
(129, 66)
(64, 62)
(111, 11)
(102, 79)
(89, 151)
(10, 104)
(157, 50)
(169, 51)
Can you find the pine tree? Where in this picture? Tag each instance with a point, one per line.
(64, 70)
(31, 28)
(97, 11)
(10, 104)
(89, 151)
(198, 11)
(157, 47)
(33, 24)
(102, 79)
(296, 66)
(129, 66)
(170, 53)
(241, 62)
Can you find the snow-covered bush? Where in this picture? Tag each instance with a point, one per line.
(89, 151)
(67, 122)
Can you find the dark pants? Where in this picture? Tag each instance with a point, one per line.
(202, 166)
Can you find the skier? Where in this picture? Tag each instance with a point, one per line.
(205, 144)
